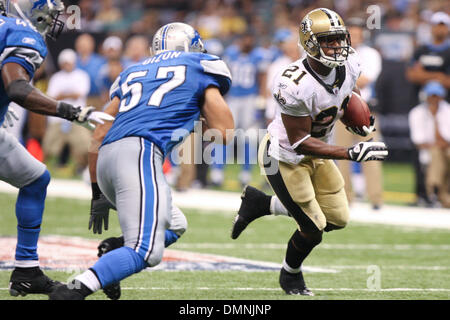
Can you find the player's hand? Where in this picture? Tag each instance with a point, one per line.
(99, 214)
(364, 131)
(89, 118)
(99, 210)
(367, 151)
(10, 115)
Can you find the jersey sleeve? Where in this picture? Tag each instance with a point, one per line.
(216, 73)
(23, 46)
(291, 99)
(114, 91)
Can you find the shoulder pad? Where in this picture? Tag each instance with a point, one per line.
(217, 67)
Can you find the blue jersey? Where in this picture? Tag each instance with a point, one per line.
(245, 68)
(164, 94)
(22, 44)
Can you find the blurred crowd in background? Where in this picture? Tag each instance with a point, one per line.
(256, 38)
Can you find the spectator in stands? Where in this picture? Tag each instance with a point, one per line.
(430, 132)
(90, 62)
(136, 50)
(70, 85)
(370, 69)
(430, 62)
(112, 49)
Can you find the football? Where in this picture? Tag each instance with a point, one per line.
(357, 113)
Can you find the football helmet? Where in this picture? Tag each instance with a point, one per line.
(177, 36)
(43, 15)
(317, 30)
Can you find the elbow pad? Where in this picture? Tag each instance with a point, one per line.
(18, 91)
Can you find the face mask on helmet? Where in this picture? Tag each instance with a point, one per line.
(334, 48)
(43, 15)
(177, 36)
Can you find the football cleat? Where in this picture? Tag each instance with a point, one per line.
(74, 290)
(255, 204)
(112, 291)
(25, 281)
(293, 283)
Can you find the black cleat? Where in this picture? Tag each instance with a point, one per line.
(112, 291)
(255, 204)
(74, 290)
(25, 281)
(293, 283)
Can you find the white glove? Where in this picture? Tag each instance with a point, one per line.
(364, 131)
(367, 151)
(10, 114)
(89, 118)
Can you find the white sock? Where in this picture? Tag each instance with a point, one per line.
(89, 279)
(26, 263)
(289, 269)
(277, 208)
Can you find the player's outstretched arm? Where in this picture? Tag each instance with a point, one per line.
(217, 114)
(19, 90)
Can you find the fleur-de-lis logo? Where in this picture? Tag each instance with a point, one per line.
(305, 26)
(279, 98)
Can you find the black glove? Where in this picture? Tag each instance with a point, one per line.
(109, 244)
(99, 210)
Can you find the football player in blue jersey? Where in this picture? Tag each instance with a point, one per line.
(248, 65)
(156, 104)
(23, 28)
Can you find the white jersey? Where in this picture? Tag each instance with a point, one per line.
(300, 92)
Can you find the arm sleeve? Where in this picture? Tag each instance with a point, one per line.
(115, 89)
(217, 74)
(290, 99)
(26, 48)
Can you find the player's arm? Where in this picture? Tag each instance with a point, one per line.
(298, 130)
(19, 90)
(299, 133)
(99, 213)
(97, 138)
(217, 114)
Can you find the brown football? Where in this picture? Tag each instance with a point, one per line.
(357, 113)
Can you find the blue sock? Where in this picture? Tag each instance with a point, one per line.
(29, 210)
(118, 264)
(170, 237)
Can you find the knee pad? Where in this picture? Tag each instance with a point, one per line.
(31, 201)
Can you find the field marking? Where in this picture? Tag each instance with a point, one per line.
(331, 246)
(278, 289)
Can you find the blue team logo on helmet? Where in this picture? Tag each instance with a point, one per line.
(197, 42)
(39, 4)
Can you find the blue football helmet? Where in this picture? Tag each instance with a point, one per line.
(177, 36)
(43, 15)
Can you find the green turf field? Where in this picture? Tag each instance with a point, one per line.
(411, 263)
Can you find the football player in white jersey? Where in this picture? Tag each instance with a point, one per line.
(296, 156)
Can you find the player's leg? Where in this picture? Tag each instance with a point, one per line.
(344, 138)
(330, 195)
(20, 169)
(133, 166)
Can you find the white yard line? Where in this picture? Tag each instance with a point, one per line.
(278, 289)
(335, 246)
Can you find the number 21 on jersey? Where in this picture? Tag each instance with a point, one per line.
(135, 89)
